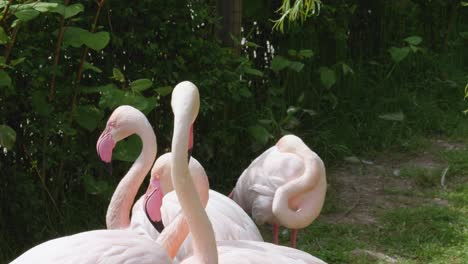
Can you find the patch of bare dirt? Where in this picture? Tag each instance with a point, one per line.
(358, 191)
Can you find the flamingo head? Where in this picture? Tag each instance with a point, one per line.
(121, 124)
(153, 202)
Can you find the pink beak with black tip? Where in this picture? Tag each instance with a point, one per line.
(104, 147)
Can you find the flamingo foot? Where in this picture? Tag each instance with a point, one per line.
(293, 238)
(275, 234)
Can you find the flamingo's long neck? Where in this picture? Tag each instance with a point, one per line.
(314, 174)
(118, 212)
(204, 243)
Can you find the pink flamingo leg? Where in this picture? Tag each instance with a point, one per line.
(293, 238)
(231, 194)
(275, 234)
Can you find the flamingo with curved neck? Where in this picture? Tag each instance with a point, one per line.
(285, 185)
(125, 121)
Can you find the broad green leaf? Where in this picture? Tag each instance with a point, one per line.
(97, 41)
(76, 37)
(42, 6)
(7, 137)
(141, 85)
(327, 77)
(253, 71)
(399, 116)
(4, 38)
(91, 67)
(306, 53)
(93, 186)
(278, 63)
(111, 98)
(144, 104)
(296, 66)
(38, 6)
(128, 149)
(463, 3)
(259, 134)
(40, 104)
(164, 90)
(73, 10)
(88, 117)
(26, 14)
(5, 80)
(118, 75)
(413, 40)
(398, 54)
(346, 69)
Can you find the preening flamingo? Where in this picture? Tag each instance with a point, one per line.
(185, 104)
(285, 186)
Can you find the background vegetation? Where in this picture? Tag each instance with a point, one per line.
(362, 76)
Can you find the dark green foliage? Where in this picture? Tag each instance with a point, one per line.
(362, 76)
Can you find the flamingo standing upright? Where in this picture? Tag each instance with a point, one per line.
(185, 105)
(149, 212)
(285, 186)
(111, 246)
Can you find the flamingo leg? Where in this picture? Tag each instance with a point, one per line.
(275, 234)
(293, 238)
(231, 194)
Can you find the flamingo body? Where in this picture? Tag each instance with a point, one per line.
(229, 221)
(285, 185)
(97, 247)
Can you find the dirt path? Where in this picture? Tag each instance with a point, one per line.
(361, 189)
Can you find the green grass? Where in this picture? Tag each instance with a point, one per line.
(458, 161)
(423, 177)
(424, 233)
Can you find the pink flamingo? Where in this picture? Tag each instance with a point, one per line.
(109, 246)
(185, 104)
(285, 186)
(230, 221)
